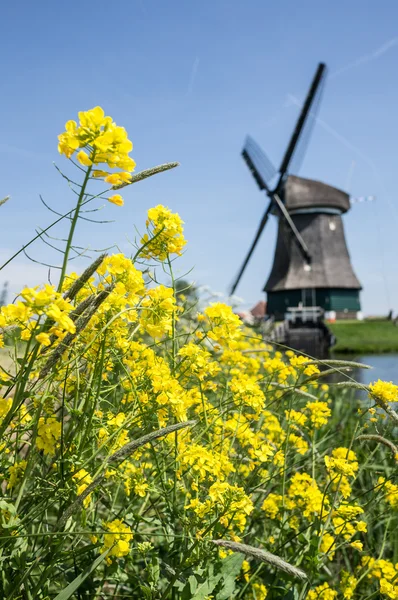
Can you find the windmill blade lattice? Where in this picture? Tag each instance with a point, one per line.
(304, 124)
(258, 162)
(302, 144)
(260, 229)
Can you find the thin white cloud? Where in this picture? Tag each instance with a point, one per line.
(366, 58)
(192, 76)
(336, 134)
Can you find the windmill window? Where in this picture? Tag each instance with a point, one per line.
(332, 225)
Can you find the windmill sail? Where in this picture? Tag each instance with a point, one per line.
(304, 124)
(260, 229)
(258, 162)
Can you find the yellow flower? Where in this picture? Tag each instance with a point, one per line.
(43, 339)
(68, 141)
(61, 317)
(223, 323)
(322, 592)
(84, 159)
(390, 491)
(319, 413)
(83, 480)
(386, 391)
(48, 434)
(305, 493)
(357, 545)
(118, 539)
(205, 463)
(158, 311)
(299, 443)
(388, 589)
(165, 234)
(141, 489)
(5, 405)
(107, 143)
(246, 570)
(116, 199)
(271, 505)
(348, 585)
(258, 592)
(361, 526)
(118, 178)
(296, 417)
(16, 471)
(247, 392)
(343, 462)
(328, 545)
(116, 420)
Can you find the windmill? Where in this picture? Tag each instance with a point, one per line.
(311, 263)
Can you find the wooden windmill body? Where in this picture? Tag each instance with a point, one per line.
(311, 264)
(328, 280)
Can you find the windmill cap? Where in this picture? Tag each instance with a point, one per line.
(308, 193)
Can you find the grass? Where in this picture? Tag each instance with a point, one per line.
(365, 337)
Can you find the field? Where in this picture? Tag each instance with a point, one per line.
(365, 337)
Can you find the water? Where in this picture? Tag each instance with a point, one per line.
(384, 367)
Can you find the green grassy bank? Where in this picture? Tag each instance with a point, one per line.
(365, 337)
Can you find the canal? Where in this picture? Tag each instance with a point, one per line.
(384, 367)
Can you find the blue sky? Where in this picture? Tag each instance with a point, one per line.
(188, 81)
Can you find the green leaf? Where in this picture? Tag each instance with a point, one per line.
(193, 584)
(147, 592)
(230, 569)
(76, 583)
(154, 570)
(205, 588)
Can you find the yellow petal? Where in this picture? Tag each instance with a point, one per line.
(116, 199)
(84, 159)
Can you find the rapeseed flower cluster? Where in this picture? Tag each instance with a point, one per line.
(386, 391)
(48, 434)
(36, 303)
(118, 541)
(164, 235)
(385, 572)
(159, 311)
(97, 140)
(390, 492)
(223, 324)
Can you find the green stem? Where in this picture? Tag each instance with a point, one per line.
(73, 227)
